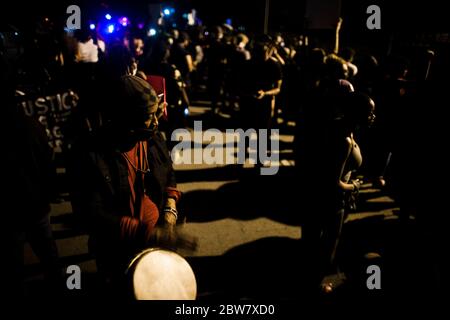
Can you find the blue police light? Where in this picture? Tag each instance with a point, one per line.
(108, 16)
(186, 111)
(166, 12)
(110, 28)
(151, 32)
(92, 26)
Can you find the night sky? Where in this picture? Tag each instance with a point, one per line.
(285, 15)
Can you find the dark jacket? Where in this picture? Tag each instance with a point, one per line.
(100, 188)
(29, 172)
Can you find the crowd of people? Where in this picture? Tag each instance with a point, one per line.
(347, 107)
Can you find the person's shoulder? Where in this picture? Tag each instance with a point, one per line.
(348, 141)
(157, 145)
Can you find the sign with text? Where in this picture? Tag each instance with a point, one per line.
(51, 110)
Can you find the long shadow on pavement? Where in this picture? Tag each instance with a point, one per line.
(251, 197)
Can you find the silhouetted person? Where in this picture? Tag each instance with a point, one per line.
(216, 60)
(181, 57)
(261, 81)
(176, 96)
(28, 176)
(326, 159)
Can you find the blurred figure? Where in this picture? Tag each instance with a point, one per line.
(87, 51)
(216, 60)
(261, 81)
(348, 54)
(176, 95)
(181, 57)
(242, 41)
(393, 100)
(28, 177)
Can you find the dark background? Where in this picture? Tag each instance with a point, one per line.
(285, 15)
(404, 24)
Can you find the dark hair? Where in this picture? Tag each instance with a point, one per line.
(182, 37)
(119, 60)
(335, 67)
(82, 35)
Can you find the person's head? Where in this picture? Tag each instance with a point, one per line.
(137, 107)
(216, 33)
(119, 61)
(336, 67)
(241, 40)
(396, 67)
(160, 53)
(138, 45)
(174, 33)
(183, 39)
(263, 48)
(368, 67)
(279, 41)
(359, 110)
(313, 60)
(83, 35)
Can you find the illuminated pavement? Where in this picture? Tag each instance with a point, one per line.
(237, 220)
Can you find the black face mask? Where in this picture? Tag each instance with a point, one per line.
(142, 134)
(125, 137)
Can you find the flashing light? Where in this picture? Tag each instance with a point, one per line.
(151, 32)
(124, 21)
(110, 28)
(168, 11)
(108, 16)
(186, 111)
(229, 22)
(92, 26)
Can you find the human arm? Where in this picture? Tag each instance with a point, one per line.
(278, 57)
(189, 62)
(341, 164)
(272, 92)
(336, 39)
(170, 207)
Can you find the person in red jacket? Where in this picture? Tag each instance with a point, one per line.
(124, 183)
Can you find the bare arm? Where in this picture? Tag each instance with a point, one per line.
(272, 92)
(277, 57)
(336, 42)
(342, 160)
(190, 63)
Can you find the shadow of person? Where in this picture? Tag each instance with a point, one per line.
(253, 196)
(268, 268)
